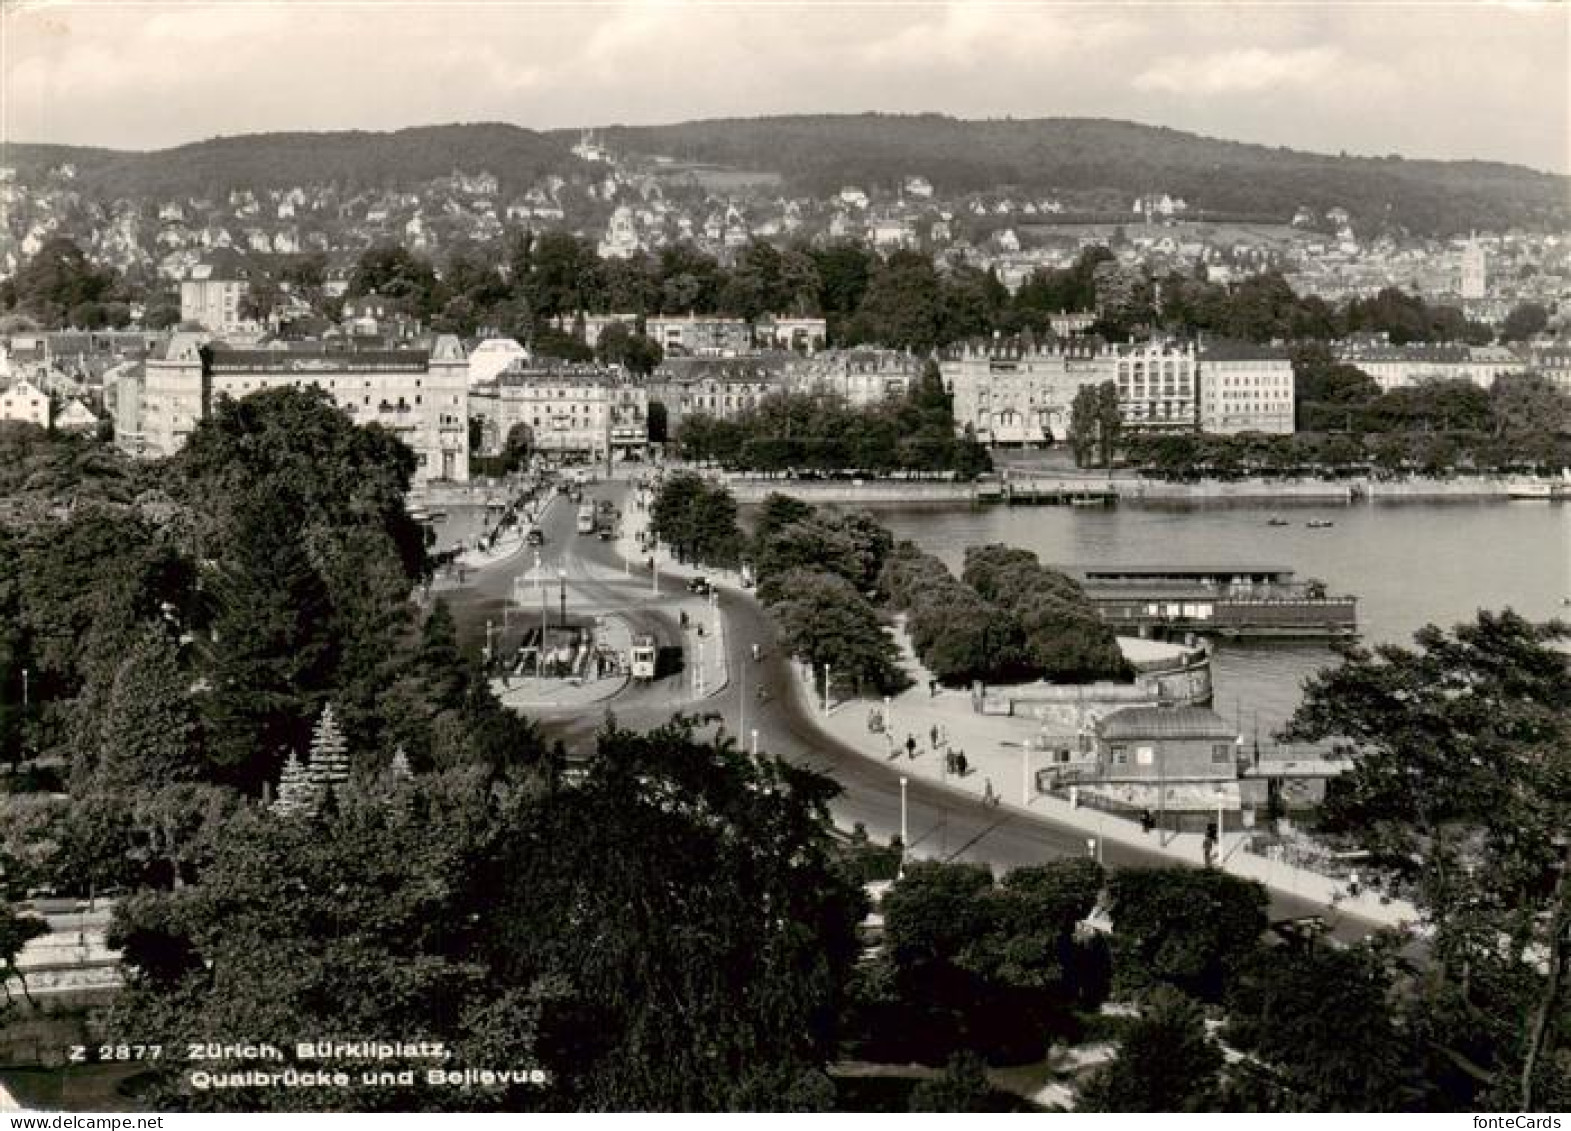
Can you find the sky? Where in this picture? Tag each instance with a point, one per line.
(1487, 79)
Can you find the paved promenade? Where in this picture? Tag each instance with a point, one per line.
(1002, 767)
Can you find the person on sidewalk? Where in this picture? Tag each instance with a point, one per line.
(961, 765)
(1208, 846)
(911, 746)
(933, 734)
(1147, 823)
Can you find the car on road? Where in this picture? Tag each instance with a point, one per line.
(606, 534)
(699, 585)
(534, 537)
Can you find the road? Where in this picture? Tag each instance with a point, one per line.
(942, 823)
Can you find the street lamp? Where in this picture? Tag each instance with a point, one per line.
(826, 690)
(905, 832)
(490, 627)
(562, 578)
(755, 742)
(24, 690)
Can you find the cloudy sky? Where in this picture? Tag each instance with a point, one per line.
(1476, 78)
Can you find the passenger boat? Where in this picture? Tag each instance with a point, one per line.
(1319, 523)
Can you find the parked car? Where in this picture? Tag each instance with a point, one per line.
(699, 585)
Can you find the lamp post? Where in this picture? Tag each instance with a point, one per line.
(905, 832)
(826, 690)
(1025, 773)
(889, 722)
(539, 574)
(490, 628)
(561, 575)
(755, 742)
(654, 570)
(24, 690)
(698, 672)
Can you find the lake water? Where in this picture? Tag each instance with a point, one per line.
(1410, 564)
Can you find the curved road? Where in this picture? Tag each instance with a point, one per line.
(943, 823)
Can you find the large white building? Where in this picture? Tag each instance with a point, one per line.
(1399, 367)
(1013, 395)
(571, 411)
(212, 294)
(1158, 386)
(1245, 388)
(420, 394)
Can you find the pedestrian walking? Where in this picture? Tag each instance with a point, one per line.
(910, 746)
(933, 735)
(1146, 822)
(961, 765)
(1208, 846)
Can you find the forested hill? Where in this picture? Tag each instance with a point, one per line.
(1089, 163)
(354, 160)
(819, 154)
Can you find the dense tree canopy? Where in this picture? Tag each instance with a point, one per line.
(1462, 788)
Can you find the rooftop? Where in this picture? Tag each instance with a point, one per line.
(1165, 722)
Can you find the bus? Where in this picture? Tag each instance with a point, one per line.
(586, 519)
(644, 656)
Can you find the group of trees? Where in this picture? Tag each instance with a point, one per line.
(817, 574)
(800, 432)
(1463, 791)
(598, 934)
(59, 286)
(697, 519)
(1096, 425)
(183, 629)
(1008, 620)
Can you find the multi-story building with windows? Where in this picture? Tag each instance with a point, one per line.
(1015, 395)
(859, 376)
(1398, 367)
(700, 335)
(570, 411)
(214, 291)
(419, 393)
(1245, 388)
(721, 388)
(1158, 386)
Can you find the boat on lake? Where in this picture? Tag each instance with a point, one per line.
(1319, 523)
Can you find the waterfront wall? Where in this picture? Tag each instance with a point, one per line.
(866, 493)
(1128, 490)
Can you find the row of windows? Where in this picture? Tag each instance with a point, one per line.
(1222, 754)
